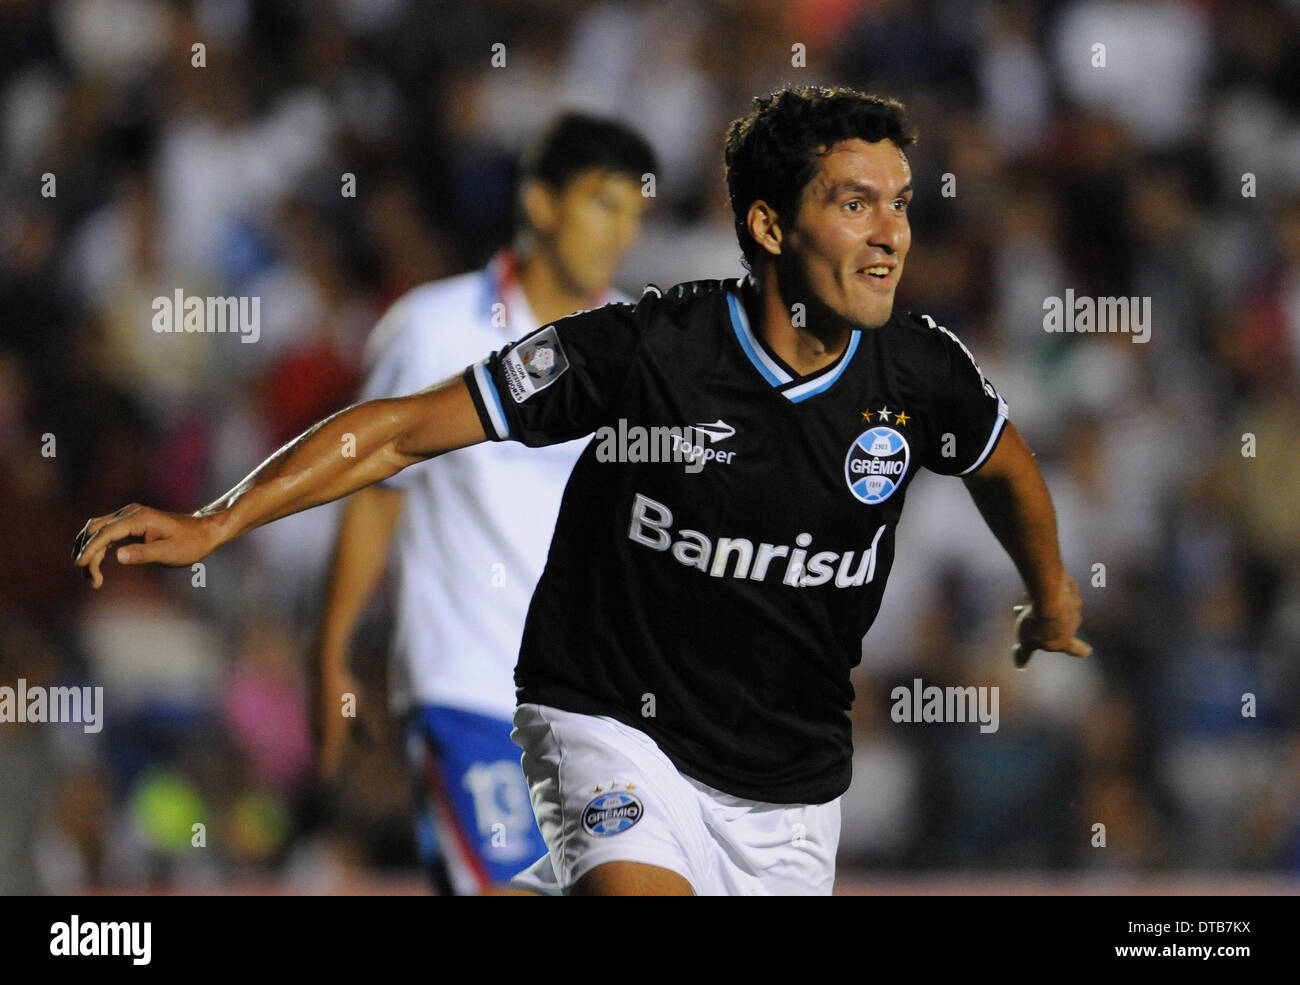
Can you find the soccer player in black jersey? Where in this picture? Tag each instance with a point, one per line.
(725, 539)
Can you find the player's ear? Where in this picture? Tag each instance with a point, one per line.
(540, 204)
(764, 226)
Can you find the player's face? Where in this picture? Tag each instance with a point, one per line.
(851, 234)
(587, 228)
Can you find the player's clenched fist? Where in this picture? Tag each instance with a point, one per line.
(154, 537)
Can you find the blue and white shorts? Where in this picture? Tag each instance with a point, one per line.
(472, 808)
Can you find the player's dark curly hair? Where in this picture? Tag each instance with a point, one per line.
(771, 154)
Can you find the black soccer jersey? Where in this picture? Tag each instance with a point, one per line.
(725, 538)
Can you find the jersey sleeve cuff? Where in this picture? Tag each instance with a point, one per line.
(487, 401)
(999, 425)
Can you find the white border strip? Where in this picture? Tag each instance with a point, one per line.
(491, 401)
(997, 429)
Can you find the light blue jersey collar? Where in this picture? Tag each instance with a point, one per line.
(792, 388)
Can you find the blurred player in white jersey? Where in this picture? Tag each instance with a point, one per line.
(472, 534)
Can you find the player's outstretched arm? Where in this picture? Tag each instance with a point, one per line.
(1014, 501)
(343, 453)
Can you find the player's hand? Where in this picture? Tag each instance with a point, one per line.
(153, 537)
(1051, 627)
(330, 727)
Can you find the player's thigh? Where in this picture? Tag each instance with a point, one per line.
(631, 879)
(471, 770)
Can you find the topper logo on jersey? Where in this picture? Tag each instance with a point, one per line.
(634, 443)
(611, 813)
(875, 465)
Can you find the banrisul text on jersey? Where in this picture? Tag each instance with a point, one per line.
(740, 557)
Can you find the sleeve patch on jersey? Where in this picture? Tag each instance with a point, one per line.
(534, 364)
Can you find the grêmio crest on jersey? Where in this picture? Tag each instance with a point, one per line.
(876, 464)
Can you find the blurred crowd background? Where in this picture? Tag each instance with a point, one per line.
(1173, 172)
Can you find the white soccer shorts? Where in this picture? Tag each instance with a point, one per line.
(604, 792)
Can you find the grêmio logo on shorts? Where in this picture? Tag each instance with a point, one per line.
(611, 813)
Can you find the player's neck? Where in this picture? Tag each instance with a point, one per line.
(802, 350)
(549, 294)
